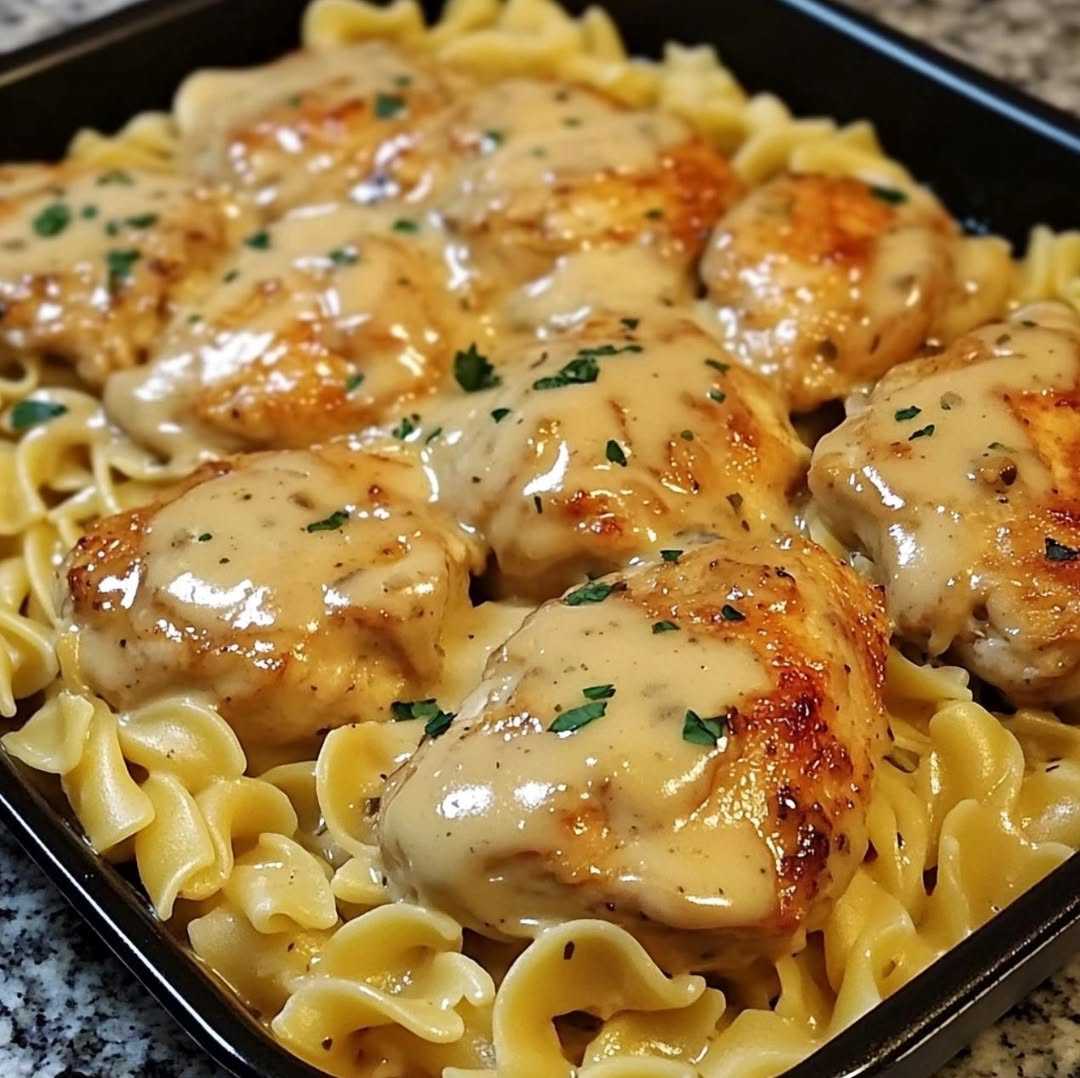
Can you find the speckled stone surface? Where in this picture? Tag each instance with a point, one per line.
(69, 1010)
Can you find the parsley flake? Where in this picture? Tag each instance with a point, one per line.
(910, 412)
(142, 220)
(598, 692)
(717, 395)
(1056, 551)
(922, 432)
(387, 106)
(405, 427)
(664, 626)
(204, 538)
(499, 414)
(577, 717)
(671, 555)
(578, 371)
(655, 214)
(436, 721)
(717, 365)
(686, 435)
(344, 256)
(258, 241)
(29, 413)
(439, 724)
(405, 224)
(433, 435)
(52, 220)
(330, 523)
(88, 213)
(631, 323)
(231, 276)
(707, 732)
(888, 194)
(119, 264)
(473, 371)
(493, 139)
(596, 591)
(730, 613)
(354, 381)
(614, 453)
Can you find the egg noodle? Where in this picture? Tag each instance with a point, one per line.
(274, 871)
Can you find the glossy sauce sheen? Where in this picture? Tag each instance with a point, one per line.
(957, 476)
(459, 321)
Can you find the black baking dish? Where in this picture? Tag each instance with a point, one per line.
(1000, 160)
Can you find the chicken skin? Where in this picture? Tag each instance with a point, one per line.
(958, 477)
(314, 125)
(823, 283)
(93, 261)
(322, 323)
(301, 590)
(684, 749)
(604, 444)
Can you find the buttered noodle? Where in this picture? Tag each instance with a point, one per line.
(267, 854)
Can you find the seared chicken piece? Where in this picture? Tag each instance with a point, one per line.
(94, 261)
(534, 169)
(823, 283)
(958, 477)
(322, 323)
(312, 126)
(685, 749)
(605, 444)
(301, 590)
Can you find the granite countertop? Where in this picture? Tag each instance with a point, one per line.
(68, 1009)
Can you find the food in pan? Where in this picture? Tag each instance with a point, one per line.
(547, 564)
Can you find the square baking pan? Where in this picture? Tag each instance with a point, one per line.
(998, 159)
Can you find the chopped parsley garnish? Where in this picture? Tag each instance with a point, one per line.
(433, 435)
(614, 452)
(403, 80)
(344, 256)
(29, 413)
(577, 372)
(671, 555)
(577, 717)
(115, 176)
(436, 721)
(354, 381)
(717, 365)
(654, 214)
(231, 276)
(572, 121)
(494, 139)
(294, 101)
(499, 414)
(598, 692)
(1056, 551)
(888, 194)
(922, 432)
(538, 505)
(664, 626)
(405, 427)
(686, 435)
(142, 220)
(205, 537)
(52, 220)
(717, 395)
(730, 613)
(631, 323)
(88, 213)
(330, 523)
(596, 591)
(405, 224)
(1000, 446)
(473, 371)
(258, 241)
(120, 264)
(387, 106)
(910, 412)
(707, 732)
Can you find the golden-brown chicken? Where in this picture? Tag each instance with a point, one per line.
(960, 478)
(93, 261)
(533, 169)
(823, 283)
(322, 323)
(605, 443)
(685, 749)
(314, 125)
(301, 590)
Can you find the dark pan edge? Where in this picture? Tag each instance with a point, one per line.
(128, 927)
